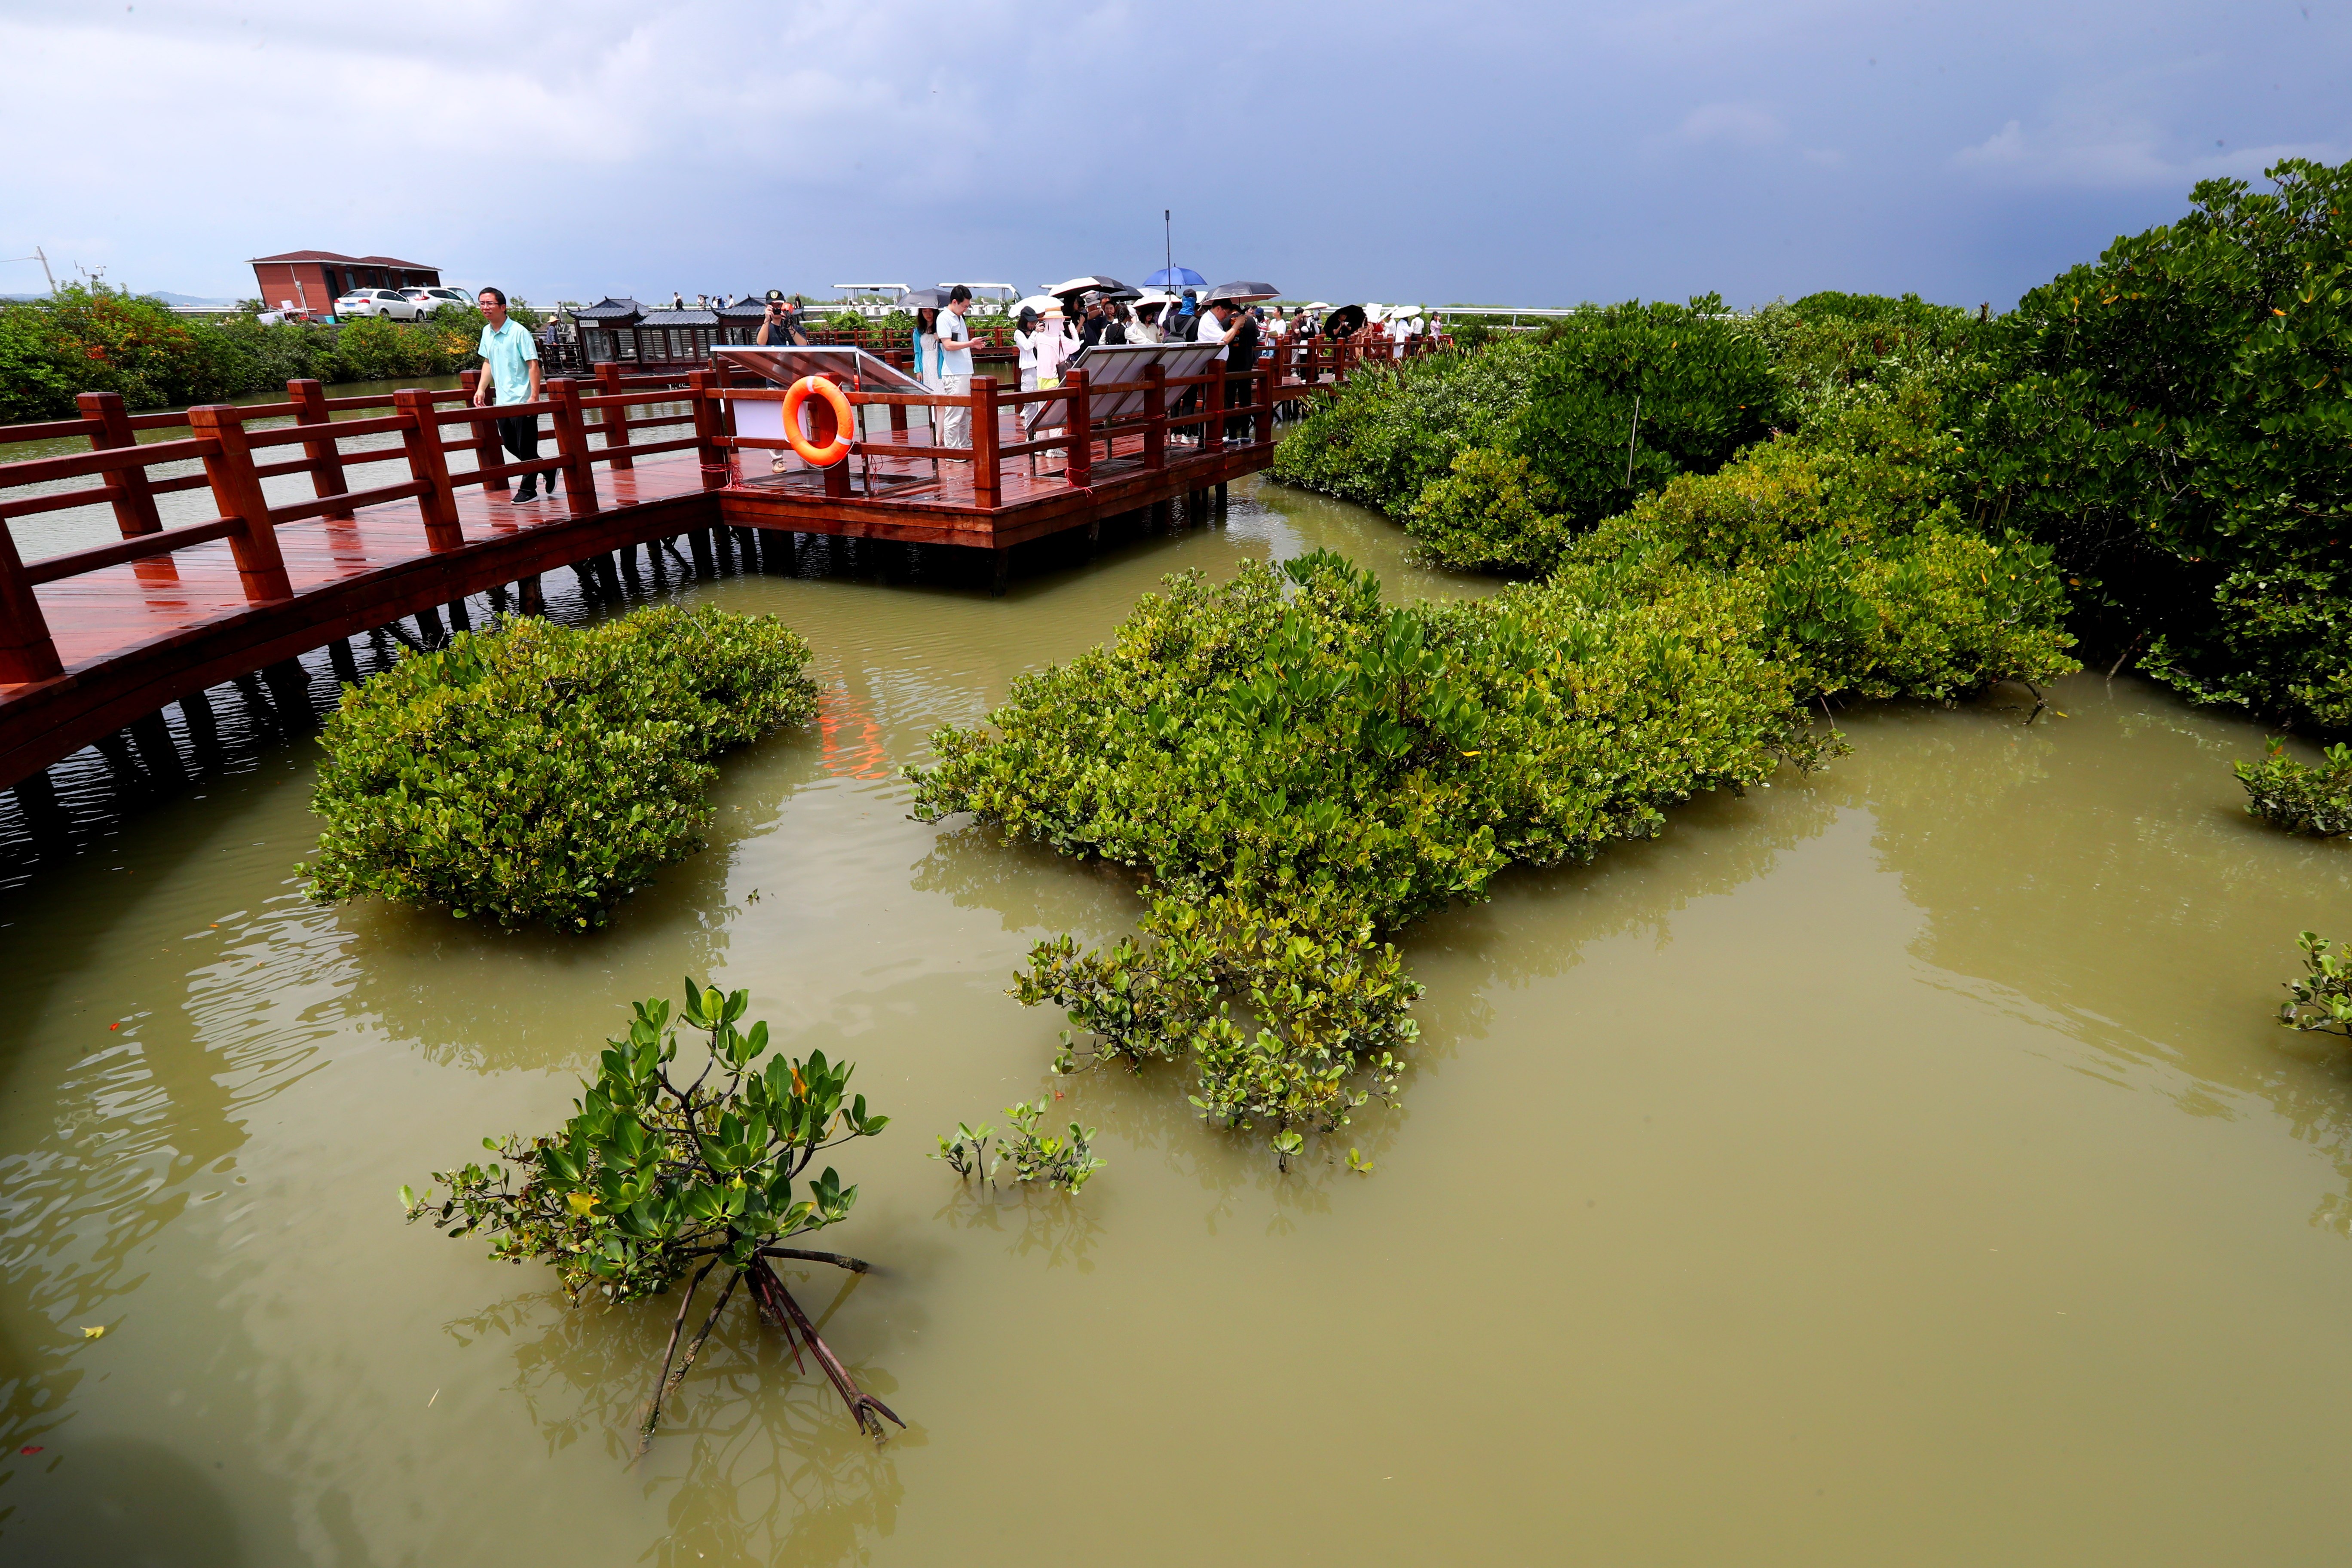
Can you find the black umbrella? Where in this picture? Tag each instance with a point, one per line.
(923, 300)
(1240, 293)
(1096, 283)
(1345, 322)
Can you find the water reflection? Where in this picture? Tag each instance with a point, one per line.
(756, 1460)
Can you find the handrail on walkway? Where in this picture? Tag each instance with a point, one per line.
(594, 422)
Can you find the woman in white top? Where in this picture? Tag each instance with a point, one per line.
(1026, 335)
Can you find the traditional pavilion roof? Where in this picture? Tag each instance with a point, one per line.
(610, 313)
(692, 316)
(746, 307)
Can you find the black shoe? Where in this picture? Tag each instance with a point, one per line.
(527, 492)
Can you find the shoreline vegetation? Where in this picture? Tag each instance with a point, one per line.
(1722, 521)
(103, 340)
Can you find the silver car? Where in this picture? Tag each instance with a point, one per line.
(436, 300)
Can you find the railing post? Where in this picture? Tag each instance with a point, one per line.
(236, 491)
(487, 453)
(987, 481)
(429, 467)
(572, 445)
(615, 421)
(310, 400)
(1268, 375)
(1155, 411)
(134, 503)
(705, 430)
(27, 652)
(1079, 469)
(1213, 399)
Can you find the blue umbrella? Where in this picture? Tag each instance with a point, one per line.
(1174, 277)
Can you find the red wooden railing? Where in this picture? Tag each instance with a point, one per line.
(233, 471)
(237, 458)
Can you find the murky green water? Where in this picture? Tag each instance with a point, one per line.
(1898, 1166)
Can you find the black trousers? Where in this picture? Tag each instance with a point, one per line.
(520, 437)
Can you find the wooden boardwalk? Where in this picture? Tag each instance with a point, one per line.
(99, 639)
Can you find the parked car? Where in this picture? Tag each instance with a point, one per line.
(379, 302)
(434, 300)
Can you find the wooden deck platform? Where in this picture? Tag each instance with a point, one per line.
(99, 639)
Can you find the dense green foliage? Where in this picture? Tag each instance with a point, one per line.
(1385, 434)
(659, 1177)
(2288, 794)
(1627, 396)
(1299, 770)
(2322, 1001)
(541, 773)
(2175, 418)
(84, 340)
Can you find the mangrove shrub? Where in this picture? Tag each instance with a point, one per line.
(665, 1173)
(2287, 793)
(2175, 419)
(541, 772)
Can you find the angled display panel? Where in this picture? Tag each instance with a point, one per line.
(1115, 383)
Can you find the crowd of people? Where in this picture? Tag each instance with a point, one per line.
(1048, 339)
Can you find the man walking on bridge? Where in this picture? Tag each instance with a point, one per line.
(510, 370)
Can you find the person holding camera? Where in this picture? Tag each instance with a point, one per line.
(781, 328)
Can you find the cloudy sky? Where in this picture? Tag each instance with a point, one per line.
(1526, 153)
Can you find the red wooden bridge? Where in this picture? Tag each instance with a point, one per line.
(98, 639)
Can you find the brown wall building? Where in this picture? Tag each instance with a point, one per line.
(313, 280)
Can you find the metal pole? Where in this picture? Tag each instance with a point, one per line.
(1167, 240)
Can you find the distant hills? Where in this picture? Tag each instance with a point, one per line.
(164, 294)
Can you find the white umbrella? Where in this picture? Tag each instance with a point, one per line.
(1037, 302)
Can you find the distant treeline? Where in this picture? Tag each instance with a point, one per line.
(101, 339)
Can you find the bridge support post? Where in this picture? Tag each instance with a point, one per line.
(615, 420)
(157, 753)
(572, 442)
(204, 727)
(236, 491)
(134, 501)
(987, 467)
(629, 569)
(27, 651)
(429, 466)
(290, 683)
(528, 596)
(1155, 412)
(487, 453)
(52, 829)
(706, 430)
(429, 627)
(347, 668)
(310, 400)
(1002, 577)
(1078, 471)
(459, 617)
(698, 541)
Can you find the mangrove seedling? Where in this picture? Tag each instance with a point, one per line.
(1058, 1161)
(2322, 997)
(656, 1182)
(967, 1153)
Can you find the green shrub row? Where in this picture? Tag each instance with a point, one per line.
(540, 772)
(81, 339)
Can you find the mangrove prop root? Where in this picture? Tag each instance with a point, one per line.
(661, 1379)
(838, 1260)
(677, 1377)
(769, 1290)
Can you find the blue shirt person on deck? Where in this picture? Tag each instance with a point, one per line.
(508, 353)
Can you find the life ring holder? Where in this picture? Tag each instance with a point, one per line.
(830, 446)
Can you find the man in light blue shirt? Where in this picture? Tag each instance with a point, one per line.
(510, 372)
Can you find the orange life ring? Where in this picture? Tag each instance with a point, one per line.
(834, 422)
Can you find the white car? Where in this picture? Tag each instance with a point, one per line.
(432, 301)
(379, 302)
